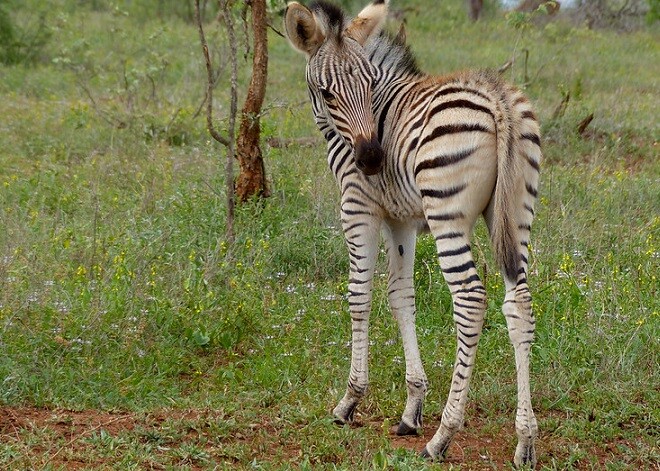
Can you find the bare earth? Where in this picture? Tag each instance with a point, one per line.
(476, 447)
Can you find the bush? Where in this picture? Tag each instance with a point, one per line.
(21, 44)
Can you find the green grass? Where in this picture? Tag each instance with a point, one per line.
(119, 295)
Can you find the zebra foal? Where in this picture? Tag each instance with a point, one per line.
(414, 152)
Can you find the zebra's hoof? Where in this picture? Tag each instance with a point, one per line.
(345, 415)
(405, 429)
(440, 456)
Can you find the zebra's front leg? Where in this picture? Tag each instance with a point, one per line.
(362, 237)
(400, 242)
(469, 304)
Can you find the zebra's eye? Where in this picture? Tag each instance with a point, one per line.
(327, 96)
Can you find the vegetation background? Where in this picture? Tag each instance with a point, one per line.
(132, 336)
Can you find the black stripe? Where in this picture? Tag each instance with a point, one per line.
(535, 165)
(444, 160)
(449, 90)
(357, 281)
(532, 137)
(413, 144)
(458, 251)
(443, 193)
(445, 216)
(464, 306)
(422, 99)
(463, 364)
(529, 114)
(464, 317)
(450, 235)
(460, 104)
(468, 345)
(383, 115)
(465, 281)
(352, 200)
(471, 299)
(354, 212)
(476, 289)
(354, 226)
(453, 129)
(459, 268)
(468, 336)
(531, 190)
(336, 166)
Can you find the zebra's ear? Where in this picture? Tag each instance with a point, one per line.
(369, 22)
(302, 29)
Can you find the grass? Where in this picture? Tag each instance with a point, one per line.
(133, 336)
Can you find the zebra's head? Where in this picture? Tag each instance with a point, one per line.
(339, 73)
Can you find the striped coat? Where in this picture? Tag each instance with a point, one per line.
(415, 152)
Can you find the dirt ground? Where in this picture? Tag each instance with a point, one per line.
(476, 447)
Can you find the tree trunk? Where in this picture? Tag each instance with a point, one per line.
(475, 7)
(251, 180)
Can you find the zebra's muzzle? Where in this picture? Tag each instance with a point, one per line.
(369, 155)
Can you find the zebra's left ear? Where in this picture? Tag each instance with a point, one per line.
(369, 22)
(302, 29)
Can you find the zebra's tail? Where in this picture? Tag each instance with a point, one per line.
(518, 160)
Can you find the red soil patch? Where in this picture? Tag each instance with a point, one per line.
(478, 446)
(472, 446)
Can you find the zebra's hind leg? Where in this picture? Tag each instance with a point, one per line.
(517, 310)
(469, 304)
(362, 237)
(400, 239)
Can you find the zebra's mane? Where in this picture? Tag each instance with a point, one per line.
(392, 56)
(331, 16)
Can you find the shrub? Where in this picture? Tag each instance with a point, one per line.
(21, 44)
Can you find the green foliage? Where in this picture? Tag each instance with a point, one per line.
(653, 14)
(21, 43)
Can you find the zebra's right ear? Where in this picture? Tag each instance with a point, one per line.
(302, 29)
(369, 22)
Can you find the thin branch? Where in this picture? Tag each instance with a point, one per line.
(201, 106)
(246, 4)
(278, 32)
(111, 120)
(507, 65)
(582, 127)
(209, 86)
(233, 110)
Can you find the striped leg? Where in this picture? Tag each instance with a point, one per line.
(362, 236)
(400, 242)
(517, 310)
(469, 302)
